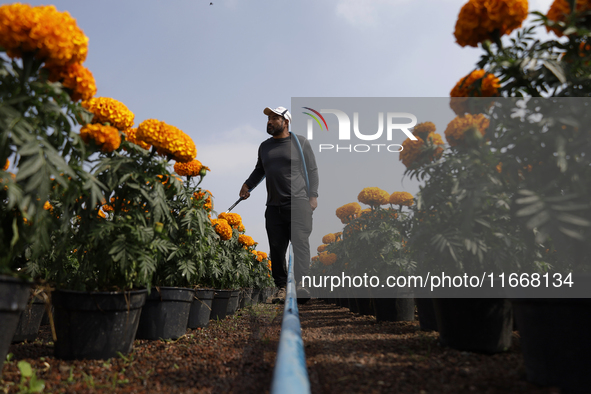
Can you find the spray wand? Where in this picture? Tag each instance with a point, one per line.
(240, 199)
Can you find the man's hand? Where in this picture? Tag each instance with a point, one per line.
(244, 193)
(313, 202)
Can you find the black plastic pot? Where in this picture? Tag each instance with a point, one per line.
(266, 293)
(200, 308)
(555, 342)
(14, 294)
(394, 309)
(45, 318)
(270, 292)
(256, 296)
(219, 306)
(345, 302)
(30, 320)
(365, 306)
(166, 313)
(246, 299)
(233, 303)
(426, 310)
(474, 324)
(95, 325)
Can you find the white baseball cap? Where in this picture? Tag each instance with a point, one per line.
(282, 111)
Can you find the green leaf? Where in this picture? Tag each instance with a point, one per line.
(30, 167)
(37, 385)
(530, 210)
(25, 368)
(527, 200)
(555, 68)
(571, 233)
(15, 237)
(569, 31)
(576, 220)
(538, 220)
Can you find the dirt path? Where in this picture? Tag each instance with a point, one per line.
(346, 353)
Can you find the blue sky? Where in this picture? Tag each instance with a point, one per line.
(211, 69)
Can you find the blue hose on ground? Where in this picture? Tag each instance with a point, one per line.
(303, 162)
(290, 374)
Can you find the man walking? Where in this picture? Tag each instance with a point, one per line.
(289, 203)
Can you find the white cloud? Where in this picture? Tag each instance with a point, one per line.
(364, 13)
(367, 13)
(236, 150)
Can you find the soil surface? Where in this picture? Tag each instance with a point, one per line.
(345, 353)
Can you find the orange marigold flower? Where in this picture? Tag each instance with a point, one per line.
(329, 238)
(105, 137)
(365, 211)
(246, 240)
(351, 229)
(206, 195)
(102, 214)
(348, 212)
(479, 19)
(327, 258)
(321, 248)
(241, 228)
(461, 126)
(53, 36)
(191, 168)
(560, 9)
(478, 83)
(6, 165)
(168, 140)
(222, 228)
(262, 254)
(233, 219)
(131, 136)
(75, 77)
(107, 208)
(373, 196)
(422, 130)
(411, 151)
(47, 206)
(401, 198)
(108, 110)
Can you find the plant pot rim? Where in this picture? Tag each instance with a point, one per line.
(66, 291)
(15, 279)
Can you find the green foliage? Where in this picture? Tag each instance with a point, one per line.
(373, 244)
(547, 167)
(29, 382)
(37, 120)
(193, 237)
(528, 67)
(517, 200)
(122, 251)
(462, 220)
(544, 139)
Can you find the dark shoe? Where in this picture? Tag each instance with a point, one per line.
(303, 294)
(279, 297)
